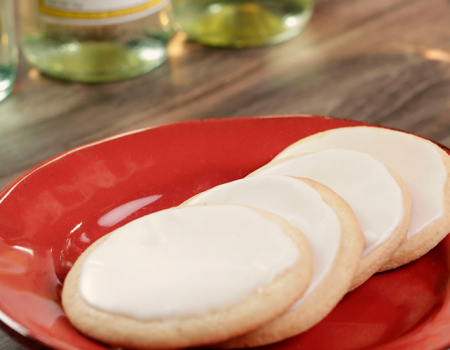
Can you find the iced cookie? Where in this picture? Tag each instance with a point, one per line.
(187, 277)
(376, 194)
(423, 166)
(331, 228)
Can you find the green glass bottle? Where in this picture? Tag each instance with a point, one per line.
(8, 48)
(242, 23)
(95, 40)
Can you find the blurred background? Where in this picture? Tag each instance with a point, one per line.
(383, 61)
(90, 69)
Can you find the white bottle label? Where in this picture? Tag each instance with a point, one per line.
(98, 12)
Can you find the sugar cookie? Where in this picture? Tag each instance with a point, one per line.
(187, 277)
(423, 166)
(377, 196)
(330, 226)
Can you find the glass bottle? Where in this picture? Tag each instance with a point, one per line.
(8, 48)
(95, 40)
(242, 23)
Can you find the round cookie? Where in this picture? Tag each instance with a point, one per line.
(423, 166)
(378, 197)
(330, 226)
(187, 277)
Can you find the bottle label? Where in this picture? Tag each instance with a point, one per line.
(98, 12)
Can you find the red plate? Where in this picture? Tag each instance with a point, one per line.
(51, 214)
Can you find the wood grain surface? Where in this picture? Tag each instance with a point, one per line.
(384, 61)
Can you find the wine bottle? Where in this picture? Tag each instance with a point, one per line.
(95, 40)
(242, 23)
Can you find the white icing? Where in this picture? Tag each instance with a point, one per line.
(361, 180)
(418, 163)
(295, 201)
(185, 261)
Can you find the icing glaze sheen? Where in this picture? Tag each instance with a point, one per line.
(417, 161)
(361, 180)
(296, 202)
(185, 261)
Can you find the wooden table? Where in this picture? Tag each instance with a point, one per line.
(384, 61)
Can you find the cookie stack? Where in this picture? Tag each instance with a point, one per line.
(264, 258)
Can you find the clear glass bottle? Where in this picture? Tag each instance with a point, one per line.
(8, 48)
(242, 23)
(95, 40)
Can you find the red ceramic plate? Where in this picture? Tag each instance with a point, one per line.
(51, 214)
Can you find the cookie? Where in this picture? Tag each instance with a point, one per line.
(378, 197)
(330, 226)
(423, 166)
(187, 277)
